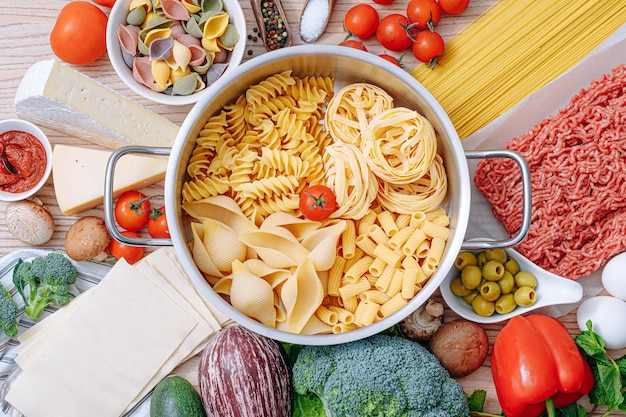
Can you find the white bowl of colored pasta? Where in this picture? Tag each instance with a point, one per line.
(171, 55)
(286, 120)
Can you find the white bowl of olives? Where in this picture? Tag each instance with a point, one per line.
(493, 285)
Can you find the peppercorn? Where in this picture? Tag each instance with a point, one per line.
(274, 24)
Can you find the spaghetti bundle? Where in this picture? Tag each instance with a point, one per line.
(512, 50)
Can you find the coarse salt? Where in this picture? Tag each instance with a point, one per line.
(314, 19)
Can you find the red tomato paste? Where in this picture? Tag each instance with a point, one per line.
(22, 161)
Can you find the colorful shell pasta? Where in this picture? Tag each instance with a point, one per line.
(177, 47)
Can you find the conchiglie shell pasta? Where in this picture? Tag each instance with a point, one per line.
(220, 208)
(323, 245)
(161, 74)
(299, 227)
(301, 295)
(275, 249)
(223, 245)
(214, 27)
(252, 295)
(200, 255)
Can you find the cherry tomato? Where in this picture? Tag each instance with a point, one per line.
(361, 20)
(383, 1)
(428, 47)
(354, 43)
(453, 6)
(393, 32)
(79, 33)
(121, 250)
(105, 3)
(424, 13)
(392, 59)
(132, 210)
(317, 202)
(157, 225)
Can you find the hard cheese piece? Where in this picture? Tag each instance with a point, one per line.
(101, 358)
(54, 95)
(78, 175)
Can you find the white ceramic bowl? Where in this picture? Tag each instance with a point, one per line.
(118, 16)
(551, 290)
(28, 127)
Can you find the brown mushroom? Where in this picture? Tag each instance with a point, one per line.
(87, 238)
(29, 222)
(423, 322)
(461, 346)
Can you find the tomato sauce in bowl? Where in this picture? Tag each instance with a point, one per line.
(23, 161)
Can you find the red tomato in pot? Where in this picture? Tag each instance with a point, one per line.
(79, 33)
(453, 6)
(157, 225)
(132, 210)
(423, 13)
(121, 250)
(428, 47)
(354, 43)
(394, 33)
(105, 3)
(361, 20)
(317, 202)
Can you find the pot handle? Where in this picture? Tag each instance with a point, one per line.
(526, 200)
(108, 197)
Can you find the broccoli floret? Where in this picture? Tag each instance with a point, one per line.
(44, 281)
(9, 313)
(379, 376)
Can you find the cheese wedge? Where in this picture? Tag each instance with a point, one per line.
(55, 95)
(78, 175)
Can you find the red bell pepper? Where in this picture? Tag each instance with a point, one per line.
(537, 366)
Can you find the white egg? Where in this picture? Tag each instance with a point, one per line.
(607, 315)
(614, 276)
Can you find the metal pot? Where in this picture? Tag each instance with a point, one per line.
(347, 65)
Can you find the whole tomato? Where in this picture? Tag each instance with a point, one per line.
(354, 43)
(394, 33)
(361, 20)
(132, 210)
(392, 59)
(79, 33)
(428, 47)
(317, 202)
(157, 225)
(424, 13)
(383, 1)
(453, 6)
(105, 3)
(121, 250)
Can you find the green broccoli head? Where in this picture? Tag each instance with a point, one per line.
(9, 313)
(48, 280)
(379, 376)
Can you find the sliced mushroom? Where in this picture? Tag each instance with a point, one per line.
(423, 322)
(87, 238)
(29, 222)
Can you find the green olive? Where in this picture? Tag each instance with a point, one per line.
(458, 289)
(469, 298)
(525, 296)
(493, 270)
(471, 276)
(512, 266)
(525, 279)
(496, 255)
(490, 291)
(481, 258)
(505, 304)
(483, 307)
(465, 259)
(506, 283)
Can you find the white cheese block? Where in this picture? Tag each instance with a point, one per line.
(55, 95)
(78, 175)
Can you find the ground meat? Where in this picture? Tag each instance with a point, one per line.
(577, 160)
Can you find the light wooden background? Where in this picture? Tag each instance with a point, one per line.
(24, 31)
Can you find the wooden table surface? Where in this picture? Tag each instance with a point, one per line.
(24, 32)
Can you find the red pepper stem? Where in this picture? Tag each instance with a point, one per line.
(550, 410)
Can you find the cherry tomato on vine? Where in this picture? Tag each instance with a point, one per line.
(394, 33)
(361, 20)
(79, 33)
(157, 225)
(105, 3)
(121, 250)
(424, 13)
(132, 210)
(453, 6)
(354, 43)
(317, 202)
(428, 47)
(392, 59)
